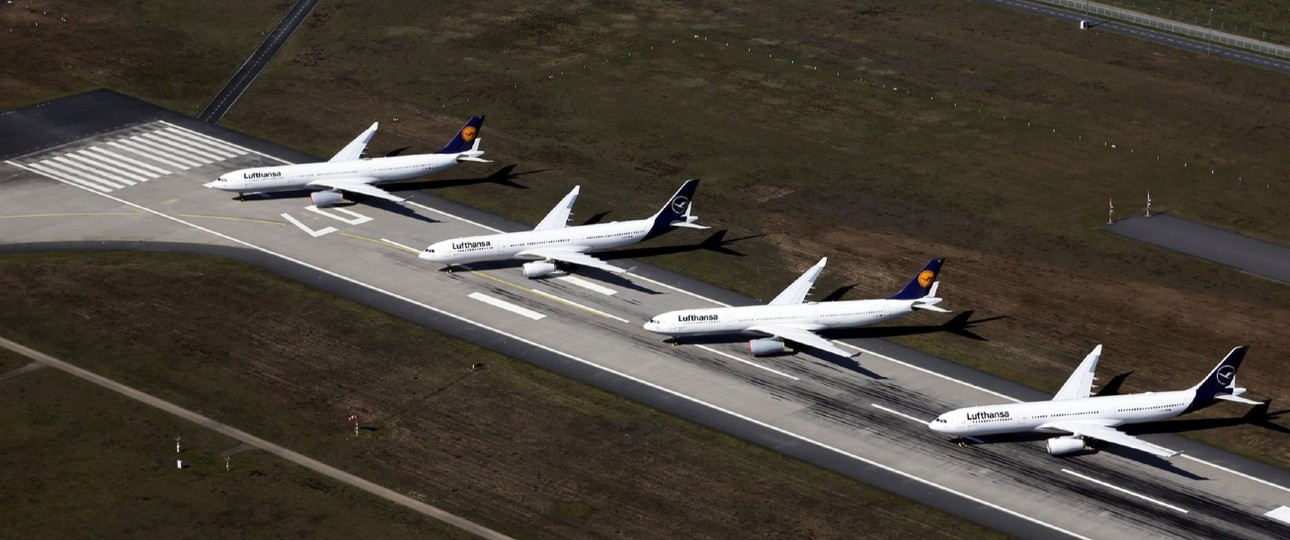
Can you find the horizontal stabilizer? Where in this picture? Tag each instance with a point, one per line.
(1236, 399)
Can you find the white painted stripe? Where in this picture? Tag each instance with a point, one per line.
(214, 153)
(119, 144)
(120, 160)
(1125, 491)
(70, 171)
(606, 369)
(577, 305)
(900, 414)
(746, 361)
(1279, 513)
(212, 142)
(458, 218)
(223, 142)
(97, 174)
(588, 285)
(43, 171)
(180, 136)
(393, 243)
(1237, 473)
(189, 152)
(170, 154)
(96, 162)
(507, 306)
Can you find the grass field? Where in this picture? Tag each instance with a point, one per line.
(511, 446)
(1258, 20)
(80, 461)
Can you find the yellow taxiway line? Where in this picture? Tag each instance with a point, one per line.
(233, 218)
(74, 214)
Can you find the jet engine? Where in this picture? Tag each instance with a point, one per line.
(1059, 446)
(537, 269)
(326, 199)
(766, 347)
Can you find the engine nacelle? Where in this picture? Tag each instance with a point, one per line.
(766, 347)
(537, 269)
(325, 199)
(1059, 446)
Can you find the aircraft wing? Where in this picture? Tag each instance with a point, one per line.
(803, 336)
(354, 150)
(1112, 435)
(357, 186)
(572, 257)
(558, 217)
(1080, 384)
(797, 292)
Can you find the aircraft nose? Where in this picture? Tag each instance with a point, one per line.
(938, 425)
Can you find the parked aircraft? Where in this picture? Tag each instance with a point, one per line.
(348, 172)
(1075, 411)
(553, 242)
(787, 318)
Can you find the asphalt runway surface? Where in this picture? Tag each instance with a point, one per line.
(245, 75)
(864, 417)
(1212, 244)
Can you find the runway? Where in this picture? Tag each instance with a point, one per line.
(866, 418)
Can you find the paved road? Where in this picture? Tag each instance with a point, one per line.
(250, 69)
(1146, 34)
(247, 438)
(1212, 244)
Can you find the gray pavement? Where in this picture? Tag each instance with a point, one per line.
(1210, 243)
(246, 438)
(864, 418)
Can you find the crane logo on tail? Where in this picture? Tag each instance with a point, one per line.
(468, 133)
(925, 278)
(679, 204)
(1225, 375)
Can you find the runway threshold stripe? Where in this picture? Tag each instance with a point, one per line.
(222, 142)
(746, 361)
(124, 162)
(1279, 513)
(1125, 491)
(587, 285)
(215, 153)
(96, 174)
(132, 148)
(97, 162)
(170, 153)
(200, 138)
(497, 302)
(188, 152)
(73, 173)
(43, 171)
(627, 376)
(207, 144)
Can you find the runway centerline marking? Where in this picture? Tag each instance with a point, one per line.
(234, 218)
(381, 242)
(588, 285)
(400, 246)
(589, 363)
(1125, 491)
(746, 361)
(900, 414)
(497, 302)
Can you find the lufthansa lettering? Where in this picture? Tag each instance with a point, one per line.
(471, 245)
(988, 415)
(696, 318)
(254, 175)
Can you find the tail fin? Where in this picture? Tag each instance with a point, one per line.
(676, 213)
(922, 283)
(465, 137)
(1221, 381)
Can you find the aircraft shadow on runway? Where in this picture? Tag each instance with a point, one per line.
(847, 363)
(961, 325)
(504, 176)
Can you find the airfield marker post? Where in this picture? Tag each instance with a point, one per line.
(176, 445)
(1148, 203)
(354, 417)
(1110, 213)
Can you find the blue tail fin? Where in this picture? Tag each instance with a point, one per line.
(676, 209)
(465, 137)
(1222, 380)
(918, 287)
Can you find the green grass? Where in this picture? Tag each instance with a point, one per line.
(88, 459)
(10, 361)
(512, 446)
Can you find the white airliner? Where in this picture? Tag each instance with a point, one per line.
(553, 242)
(349, 172)
(1075, 411)
(787, 318)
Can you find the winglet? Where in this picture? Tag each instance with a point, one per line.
(354, 150)
(465, 137)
